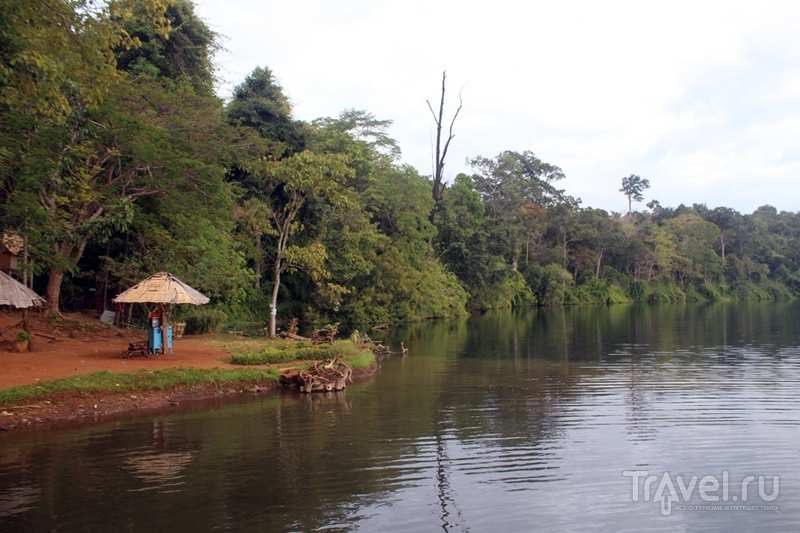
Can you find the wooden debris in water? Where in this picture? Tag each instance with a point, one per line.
(325, 376)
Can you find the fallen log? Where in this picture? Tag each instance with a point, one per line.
(293, 336)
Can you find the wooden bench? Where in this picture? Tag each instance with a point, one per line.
(135, 348)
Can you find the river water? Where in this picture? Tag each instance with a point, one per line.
(628, 417)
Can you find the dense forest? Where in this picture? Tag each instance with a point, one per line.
(118, 161)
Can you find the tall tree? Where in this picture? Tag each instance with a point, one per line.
(632, 187)
(259, 103)
(507, 184)
(290, 184)
(262, 116)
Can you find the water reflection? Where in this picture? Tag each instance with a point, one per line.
(18, 499)
(162, 472)
(522, 419)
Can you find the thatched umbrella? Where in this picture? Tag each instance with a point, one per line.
(162, 288)
(17, 295)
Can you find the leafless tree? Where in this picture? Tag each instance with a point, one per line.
(441, 151)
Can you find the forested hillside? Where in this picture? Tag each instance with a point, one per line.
(118, 161)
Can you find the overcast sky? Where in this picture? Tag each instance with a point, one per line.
(702, 98)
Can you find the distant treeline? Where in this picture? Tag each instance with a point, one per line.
(118, 161)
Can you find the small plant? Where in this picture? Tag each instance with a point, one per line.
(22, 335)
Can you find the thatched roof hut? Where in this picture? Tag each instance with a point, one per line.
(15, 294)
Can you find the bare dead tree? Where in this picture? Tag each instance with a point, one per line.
(441, 152)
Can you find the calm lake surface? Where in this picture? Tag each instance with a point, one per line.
(630, 417)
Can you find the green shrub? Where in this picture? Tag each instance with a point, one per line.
(200, 321)
(711, 292)
(22, 335)
(693, 295)
(549, 283)
(665, 292)
(595, 291)
(638, 291)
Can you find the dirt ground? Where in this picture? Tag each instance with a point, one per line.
(80, 345)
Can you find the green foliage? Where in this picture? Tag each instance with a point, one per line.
(437, 293)
(259, 104)
(711, 292)
(765, 291)
(204, 320)
(57, 55)
(666, 292)
(22, 335)
(549, 283)
(595, 291)
(638, 291)
(511, 290)
(182, 54)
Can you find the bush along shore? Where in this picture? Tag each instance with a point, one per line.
(102, 395)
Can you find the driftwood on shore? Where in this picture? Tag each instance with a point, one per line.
(326, 335)
(378, 348)
(325, 376)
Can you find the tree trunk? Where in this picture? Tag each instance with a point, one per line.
(27, 327)
(527, 249)
(69, 253)
(599, 261)
(54, 291)
(273, 307)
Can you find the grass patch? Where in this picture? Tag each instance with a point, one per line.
(285, 353)
(100, 382)
(362, 359)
